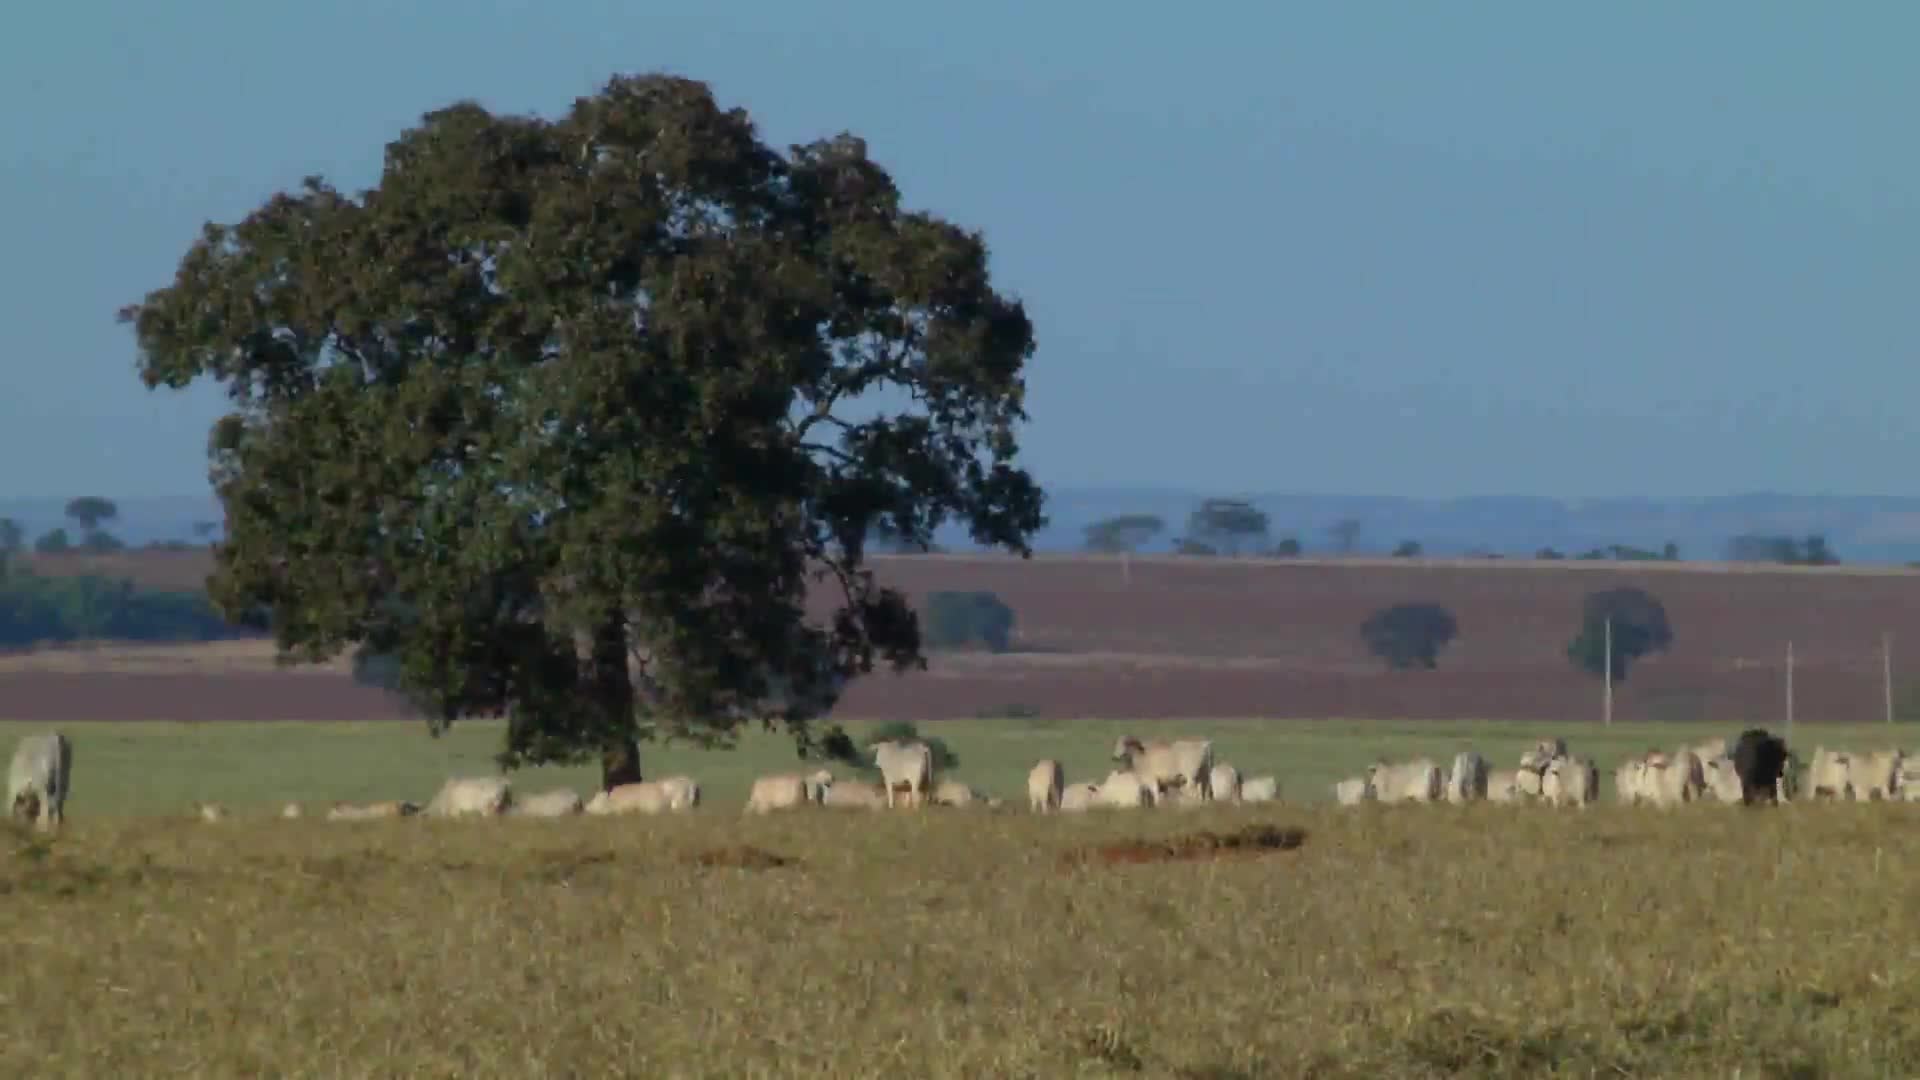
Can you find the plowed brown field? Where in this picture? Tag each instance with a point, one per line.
(1190, 637)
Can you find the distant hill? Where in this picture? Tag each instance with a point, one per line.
(1859, 528)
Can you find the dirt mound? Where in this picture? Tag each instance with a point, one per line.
(1250, 840)
(741, 857)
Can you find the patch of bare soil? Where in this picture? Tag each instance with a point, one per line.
(1205, 844)
(741, 857)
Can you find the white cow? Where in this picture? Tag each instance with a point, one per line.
(1046, 782)
(472, 796)
(1503, 785)
(1126, 789)
(784, 791)
(1079, 797)
(560, 802)
(1468, 780)
(1224, 779)
(904, 763)
(1571, 781)
(1353, 791)
(391, 808)
(1259, 789)
(1184, 763)
(1419, 780)
(1875, 774)
(1829, 774)
(39, 780)
(1722, 782)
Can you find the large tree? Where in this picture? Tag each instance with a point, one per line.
(567, 414)
(1621, 625)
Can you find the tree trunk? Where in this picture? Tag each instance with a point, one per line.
(612, 690)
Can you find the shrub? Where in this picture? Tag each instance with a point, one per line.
(958, 619)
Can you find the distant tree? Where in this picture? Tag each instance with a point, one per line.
(205, 529)
(12, 537)
(1187, 545)
(1671, 552)
(1287, 548)
(604, 395)
(1229, 526)
(1409, 636)
(90, 510)
(1123, 534)
(1548, 554)
(1346, 533)
(1754, 547)
(100, 542)
(957, 619)
(53, 543)
(1407, 549)
(1639, 629)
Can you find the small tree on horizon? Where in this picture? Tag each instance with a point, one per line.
(1409, 636)
(1639, 629)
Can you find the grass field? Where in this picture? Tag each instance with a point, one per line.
(1395, 941)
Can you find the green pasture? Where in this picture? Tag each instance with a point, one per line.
(158, 768)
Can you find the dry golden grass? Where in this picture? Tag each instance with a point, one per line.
(1395, 942)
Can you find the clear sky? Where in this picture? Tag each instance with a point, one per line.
(1383, 248)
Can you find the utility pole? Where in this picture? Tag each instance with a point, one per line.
(1606, 708)
(1886, 672)
(1789, 689)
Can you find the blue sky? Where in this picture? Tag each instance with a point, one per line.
(1392, 248)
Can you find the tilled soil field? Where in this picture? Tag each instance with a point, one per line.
(1188, 637)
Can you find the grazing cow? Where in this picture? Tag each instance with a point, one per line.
(39, 778)
(472, 796)
(1224, 779)
(1503, 785)
(1875, 774)
(211, 813)
(852, 795)
(645, 797)
(1630, 781)
(291, 811)
(1723, 780)
(1828, 775)
(1571, 781)
(1259, 789)
(785, 791)
(1184, 763)
(1354, 790)
(560, 802)
(955, 793)
(1672, 779)
(1909, 786)
(904, 763)
(1760, 762)
(1045, 783)
(392, 808)
(1079, 797)
(1419, 780)
(1468, 780)
(1126, 789)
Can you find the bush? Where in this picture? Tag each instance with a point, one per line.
(37, 609)
(1409, 635)
(958, 619)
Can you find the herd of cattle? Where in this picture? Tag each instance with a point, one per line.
(1753, 767)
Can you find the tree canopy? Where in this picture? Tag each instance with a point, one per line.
(1638, 625)
(567, 414)
(1409, 636)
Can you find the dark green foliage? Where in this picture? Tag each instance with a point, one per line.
(1228, 526)
(1407, 549)
(35, 608)
(958, 619)
(599, 398)
(1288, 548)
(1639, 629)
(90, 510)
(53, 543)
(1813, 551)
(12, 537)
(1125, 533)
(1409, 635)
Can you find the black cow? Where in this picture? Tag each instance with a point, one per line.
(1758, 760)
